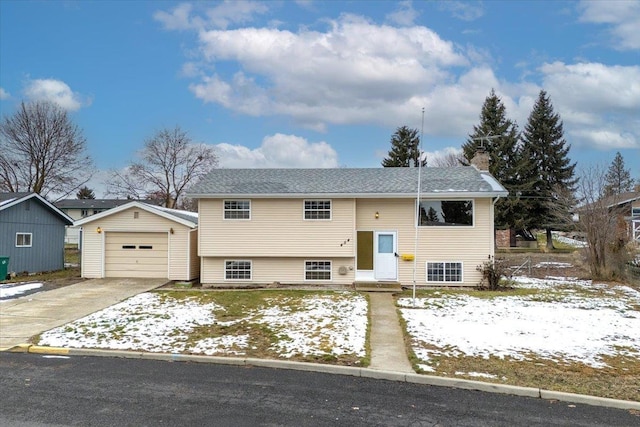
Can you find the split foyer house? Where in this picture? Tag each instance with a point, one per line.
(340, 226)
(31, 233)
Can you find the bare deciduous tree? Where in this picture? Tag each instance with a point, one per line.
(43, 151)
(599, 220)
(168, 163)
(448, 160)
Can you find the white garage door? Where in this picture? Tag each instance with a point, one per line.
(136, 255)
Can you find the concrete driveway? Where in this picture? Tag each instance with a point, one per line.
(22, 318)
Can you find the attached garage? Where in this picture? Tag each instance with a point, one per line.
(139, 240)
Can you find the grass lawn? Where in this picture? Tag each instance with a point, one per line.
(571, 337)
(326, 327)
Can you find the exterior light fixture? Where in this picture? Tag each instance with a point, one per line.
(171, 230)
(98, 230)
(377, 215)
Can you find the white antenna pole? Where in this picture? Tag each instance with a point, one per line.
(417, 210)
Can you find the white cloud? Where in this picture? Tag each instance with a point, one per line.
(599, 104)
(463, 10)
(622, 16)
(4, 94)
(360, 71)
(405, 15)
(55, 91)
(221, 16)
(605, 139)
(446, 157)
(278, 151)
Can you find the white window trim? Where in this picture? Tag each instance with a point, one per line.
(452, 227)
(426, 271)
(24, 234)
(304, 210)
(224, 269)
(318, 280)
(224, 211)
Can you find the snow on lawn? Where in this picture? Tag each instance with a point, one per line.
(304, 332)
(325, 324)
(569, 241)
(566, 320)
(12, 289)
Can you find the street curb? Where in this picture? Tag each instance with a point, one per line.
(339, 370)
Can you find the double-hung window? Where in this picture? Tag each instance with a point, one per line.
(317, 209)
(23, 240)
(317, 270)
(237, 209)
(237, 270)
(444, 272)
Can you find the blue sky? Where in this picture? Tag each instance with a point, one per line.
(323, 84)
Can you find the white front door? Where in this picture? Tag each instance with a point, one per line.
(385, 260)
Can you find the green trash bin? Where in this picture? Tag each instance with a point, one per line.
(4, 267)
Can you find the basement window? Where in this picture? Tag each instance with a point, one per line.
(317, 270)
(444, 272)
(237, 270)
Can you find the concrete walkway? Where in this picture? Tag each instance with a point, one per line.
(388, 351)
(22, 318)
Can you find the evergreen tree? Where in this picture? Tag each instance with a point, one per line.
(405, 149)
(618, 179)
(549, 171)
(85, 193)
(504, 157)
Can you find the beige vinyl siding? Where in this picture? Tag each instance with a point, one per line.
(93, 243)
(470, 245)
(276, 269)
(276, 228)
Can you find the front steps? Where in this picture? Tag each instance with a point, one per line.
(392, 287)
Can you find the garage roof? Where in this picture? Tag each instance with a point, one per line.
(190, 219)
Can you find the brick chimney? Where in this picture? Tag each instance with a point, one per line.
(481, 160)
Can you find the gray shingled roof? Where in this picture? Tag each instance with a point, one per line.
(93, 203)
(345, 181)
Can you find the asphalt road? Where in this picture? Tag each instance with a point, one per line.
(40, 390)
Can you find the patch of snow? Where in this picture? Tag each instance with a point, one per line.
(147, 322)
(567, 327)
(568, 241)
(333, 324)
(426, 368)
(551, 264)
(12, 289)
(477, 374)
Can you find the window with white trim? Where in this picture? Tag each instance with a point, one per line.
(237, 270)
(237, 209)
(317, 209)
(317, 270)
(445, 272)
(635, 211)
(23, 240)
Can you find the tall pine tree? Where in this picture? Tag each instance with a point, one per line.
(504, 157)
(549, 171)
(618, 179)
(405, 149)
